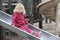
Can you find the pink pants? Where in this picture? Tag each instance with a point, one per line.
(29, 30)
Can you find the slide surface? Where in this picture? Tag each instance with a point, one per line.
(5, 21)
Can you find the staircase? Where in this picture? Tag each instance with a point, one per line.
(48, 9)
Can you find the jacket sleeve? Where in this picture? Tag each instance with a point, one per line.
(26, 22)
(22, 20)
(14, 18)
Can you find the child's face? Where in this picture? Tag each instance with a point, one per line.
(19, 11)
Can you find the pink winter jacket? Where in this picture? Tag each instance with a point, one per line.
(19, 21)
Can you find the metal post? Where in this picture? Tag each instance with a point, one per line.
(40, 21)
(2, 31)
(46, 20)
(4, 34)
(37, 13)
(0, 4)
(49, 20)
(9, 6)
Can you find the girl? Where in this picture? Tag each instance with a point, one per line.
(19, 21)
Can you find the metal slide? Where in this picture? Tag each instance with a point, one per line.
(5, 21)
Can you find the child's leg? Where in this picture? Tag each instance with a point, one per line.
(32, 32)
(28, 30)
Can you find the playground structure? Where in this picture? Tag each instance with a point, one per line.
(50, 14)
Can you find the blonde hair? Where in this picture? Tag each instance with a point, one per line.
(19, 8)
